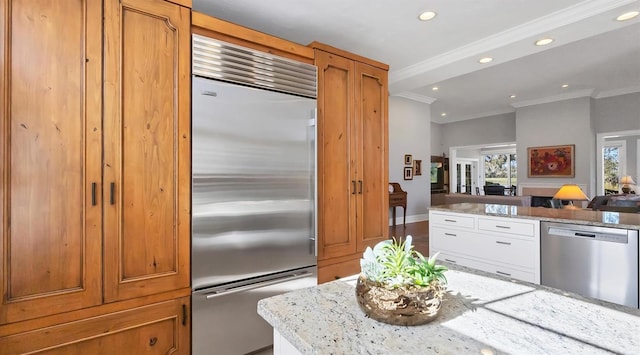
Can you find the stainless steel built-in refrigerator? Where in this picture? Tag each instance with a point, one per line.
(253, 206)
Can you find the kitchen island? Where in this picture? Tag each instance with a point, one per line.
(481, 313)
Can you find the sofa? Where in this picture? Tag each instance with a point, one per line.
(494, 199)
(617, 203)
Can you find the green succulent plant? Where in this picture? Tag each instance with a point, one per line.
(397, 264)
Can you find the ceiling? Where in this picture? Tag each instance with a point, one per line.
(592, 52)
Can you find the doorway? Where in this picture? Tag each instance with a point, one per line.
(465, 175)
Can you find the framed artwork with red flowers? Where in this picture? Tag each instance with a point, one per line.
(551, 161)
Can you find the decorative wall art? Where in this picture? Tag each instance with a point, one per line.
(417, 167)
(551, 161)
(408, 159)
(408, 173)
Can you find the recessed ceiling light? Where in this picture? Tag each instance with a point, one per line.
(435, 88)
(485, 60)
(443, 114)
(427, 15)
(544, 41)
(627, 15)
(512, 96)
(565, 85)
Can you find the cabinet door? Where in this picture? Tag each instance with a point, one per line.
(371, 99)
(50, 128)
(160, 328)
(147, 148)
(336, 156)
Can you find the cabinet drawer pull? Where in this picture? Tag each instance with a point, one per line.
(503, 227)
(153, 341)
(353, 187)
(184, 314)
(451, 261)
(451, 234)
(505, 243)
(93, 194)
(450, 220)
(360, 188)
(503, 273)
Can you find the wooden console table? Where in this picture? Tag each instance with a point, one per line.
(398, 198)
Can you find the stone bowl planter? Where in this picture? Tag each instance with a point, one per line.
(399, 306)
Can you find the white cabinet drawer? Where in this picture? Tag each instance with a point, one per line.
(452, 220)
(517, 252)
(511, 227)
(512, 251)
(488, 267)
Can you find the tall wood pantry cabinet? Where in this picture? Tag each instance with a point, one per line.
(352, 153)
(95, 174)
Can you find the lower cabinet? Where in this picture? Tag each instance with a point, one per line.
(159, 328)
(501, 245)
(339, 270)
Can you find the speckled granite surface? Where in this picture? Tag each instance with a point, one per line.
(481, 312)
(578, 216)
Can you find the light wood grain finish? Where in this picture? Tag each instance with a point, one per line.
(229, 32)
(339, 270)
(155, 329)
(51, 137)
(147, 118)
(371, 118)
(352, 56)
(352, 159)
(336, 156)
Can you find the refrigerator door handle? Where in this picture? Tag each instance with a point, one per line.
(230, 291)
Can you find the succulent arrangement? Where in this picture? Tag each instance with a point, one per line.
(397, 264)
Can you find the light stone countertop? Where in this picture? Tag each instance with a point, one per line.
(577, 216)
(481, 313)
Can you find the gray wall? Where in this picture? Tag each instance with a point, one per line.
(410, 133)
(558, 123)
(616, 113)
(492, 129)
(437, 146)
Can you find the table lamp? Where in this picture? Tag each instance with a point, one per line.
(570, 192)
(626, 181)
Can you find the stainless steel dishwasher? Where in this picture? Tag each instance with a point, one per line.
(596, 262)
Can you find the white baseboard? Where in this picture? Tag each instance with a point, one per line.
(410, 219)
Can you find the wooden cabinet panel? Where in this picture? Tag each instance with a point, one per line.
(371, 118)
(51, 148)
(339, 270)
(336, 156)
(352, 158)
(146, 159)
(160, 328)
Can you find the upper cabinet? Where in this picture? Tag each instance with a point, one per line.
(95, 151)
(352, 158)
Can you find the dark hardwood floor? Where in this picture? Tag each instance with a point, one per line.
(419, 231)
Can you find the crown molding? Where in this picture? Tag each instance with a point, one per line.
(616, 92)
(416, 97)
(550, 99)
(569, 15)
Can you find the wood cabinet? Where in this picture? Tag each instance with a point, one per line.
(160, 328)
(352, 157)
(505, 246)
(147, 166)
(95, 151)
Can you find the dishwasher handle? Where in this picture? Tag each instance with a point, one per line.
(613, 237)
(232, 290)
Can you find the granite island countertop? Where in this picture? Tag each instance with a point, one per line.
(577, 216)
(481, 313)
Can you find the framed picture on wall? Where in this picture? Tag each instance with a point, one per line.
(408, 173)
(417, 167)
(551, 161)
(408, 160)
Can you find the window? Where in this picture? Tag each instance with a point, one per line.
(613, 157)
(500, 169)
